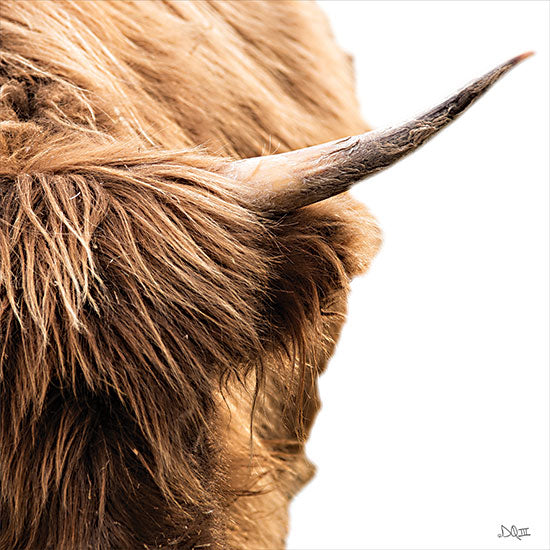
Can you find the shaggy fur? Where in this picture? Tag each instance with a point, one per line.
(160, 339)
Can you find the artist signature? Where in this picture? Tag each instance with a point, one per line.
(514, 532)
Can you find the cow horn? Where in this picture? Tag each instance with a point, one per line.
(287, 181)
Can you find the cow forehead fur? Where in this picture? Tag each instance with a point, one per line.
(160, 339)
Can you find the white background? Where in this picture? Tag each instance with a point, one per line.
(435, 422)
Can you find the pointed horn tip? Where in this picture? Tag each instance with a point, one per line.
(520, 58)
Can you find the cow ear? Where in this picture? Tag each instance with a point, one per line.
(287, 181)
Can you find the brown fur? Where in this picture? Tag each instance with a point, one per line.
(160, 339)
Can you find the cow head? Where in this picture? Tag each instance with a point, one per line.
(168, 294)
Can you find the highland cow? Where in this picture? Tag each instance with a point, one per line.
(167, 302)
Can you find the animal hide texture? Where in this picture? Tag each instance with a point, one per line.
(160, 337)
